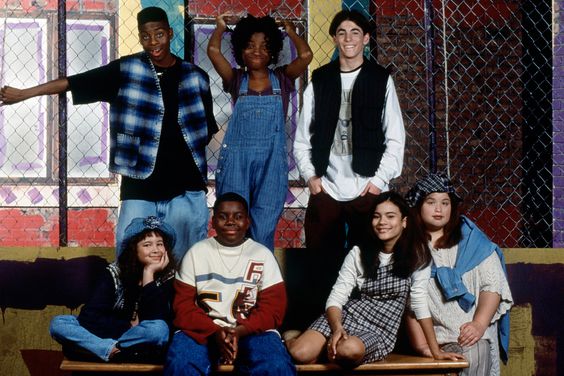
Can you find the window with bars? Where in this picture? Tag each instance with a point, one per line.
(28, 130)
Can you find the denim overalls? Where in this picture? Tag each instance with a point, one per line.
(253, 161)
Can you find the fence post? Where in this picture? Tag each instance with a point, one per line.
(188, 34)
(62, 70)
(430, 80)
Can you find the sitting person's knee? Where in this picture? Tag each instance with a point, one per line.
(58, 325)
(158, 333)
(350, 352)
(302, 352)
(54, 325)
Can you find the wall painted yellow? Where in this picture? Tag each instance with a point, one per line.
(29, 254)
(534, 255)
(25, 330)
(128, 38)
(319, 18)
(521, 343)
(320, 14)
(28, 329)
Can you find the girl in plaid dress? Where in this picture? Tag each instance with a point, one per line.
(361, 327)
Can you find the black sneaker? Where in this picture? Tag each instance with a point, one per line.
(140, 354)
(73, 352)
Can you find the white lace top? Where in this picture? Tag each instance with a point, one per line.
(447, 315)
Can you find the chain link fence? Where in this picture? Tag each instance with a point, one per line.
(473, 78)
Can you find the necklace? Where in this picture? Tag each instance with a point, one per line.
(229, 269)
(162, 70)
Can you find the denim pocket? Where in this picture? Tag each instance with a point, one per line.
(257, 122)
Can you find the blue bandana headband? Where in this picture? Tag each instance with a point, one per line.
(138, 225)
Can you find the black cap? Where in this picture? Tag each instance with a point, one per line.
(151, 14)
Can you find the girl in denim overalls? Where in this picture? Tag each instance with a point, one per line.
(253, 159)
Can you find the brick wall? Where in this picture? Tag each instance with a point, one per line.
(483, 144)
(485, 108)
(27, 227)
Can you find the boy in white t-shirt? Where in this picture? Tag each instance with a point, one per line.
(230, 298)
(349, 145)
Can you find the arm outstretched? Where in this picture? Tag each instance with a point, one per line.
(11, 95)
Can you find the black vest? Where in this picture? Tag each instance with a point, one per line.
(368, 101)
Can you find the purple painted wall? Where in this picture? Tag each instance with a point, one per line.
(558, 126)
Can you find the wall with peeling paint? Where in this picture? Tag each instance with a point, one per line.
(39, 283)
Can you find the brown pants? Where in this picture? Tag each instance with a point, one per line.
(332, 228)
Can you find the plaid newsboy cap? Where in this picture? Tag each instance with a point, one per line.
(430, 184)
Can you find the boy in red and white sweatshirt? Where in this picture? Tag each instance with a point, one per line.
(230, 298)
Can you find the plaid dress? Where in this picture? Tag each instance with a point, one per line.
(375, 317)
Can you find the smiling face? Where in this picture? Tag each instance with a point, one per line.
(150, 249)
(155, 39)
(231, 222)
(435, 211)
(388, 223)
(256, 54)
(350, 41)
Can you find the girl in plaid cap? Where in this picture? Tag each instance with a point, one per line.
(362, 327)
(468, 298)
(127, 318)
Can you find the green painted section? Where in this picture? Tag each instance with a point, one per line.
(29, 254)
(521, 343)
(22, 331)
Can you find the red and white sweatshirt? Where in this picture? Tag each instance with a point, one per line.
(219, 286)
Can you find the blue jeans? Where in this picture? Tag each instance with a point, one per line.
(187, 214)
(259, 354)
(66, 329)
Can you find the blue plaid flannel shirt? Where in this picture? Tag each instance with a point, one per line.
(137, 114)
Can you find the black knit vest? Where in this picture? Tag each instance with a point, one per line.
(368, 101)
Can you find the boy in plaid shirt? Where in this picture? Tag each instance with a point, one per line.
(161, 119)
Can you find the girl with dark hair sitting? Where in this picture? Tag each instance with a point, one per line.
(468, 296)
(129, 315)
(362, 329)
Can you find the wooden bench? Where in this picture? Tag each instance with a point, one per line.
(296, 265)
(394, 364)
